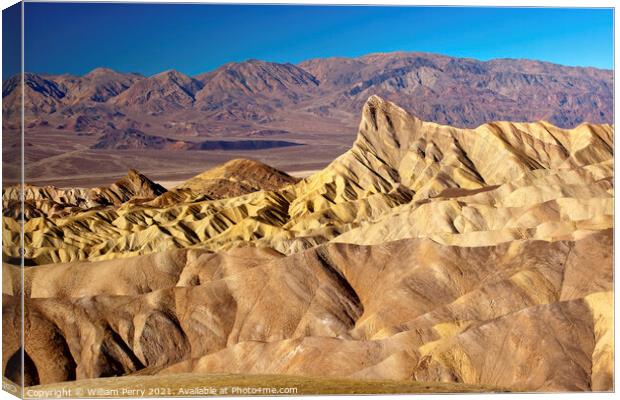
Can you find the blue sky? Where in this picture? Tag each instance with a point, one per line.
(150, 38)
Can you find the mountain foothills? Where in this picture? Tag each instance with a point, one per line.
(426, 252)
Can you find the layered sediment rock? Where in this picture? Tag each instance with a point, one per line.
(425, 252)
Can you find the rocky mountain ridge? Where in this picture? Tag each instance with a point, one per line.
(457, 91)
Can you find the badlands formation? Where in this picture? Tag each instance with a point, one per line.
(86, 130)
(424, 253)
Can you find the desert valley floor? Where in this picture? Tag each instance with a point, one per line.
(425, 254)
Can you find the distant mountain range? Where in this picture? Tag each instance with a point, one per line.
(316, 95)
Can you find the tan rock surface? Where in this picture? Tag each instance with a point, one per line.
(410, 309)
(425, 253)
(496, 183)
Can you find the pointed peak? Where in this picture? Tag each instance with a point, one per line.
(387, 130)
(140, 183)
(378, 105)
(378, 112)
(134, 173)
(374, 101)
(135, 176)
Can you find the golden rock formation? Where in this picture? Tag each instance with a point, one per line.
(424, 253)
(499, 182)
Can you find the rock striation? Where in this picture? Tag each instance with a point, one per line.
(424, 253)
(402, 178)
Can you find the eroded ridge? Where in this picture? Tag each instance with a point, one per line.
(425, 253)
